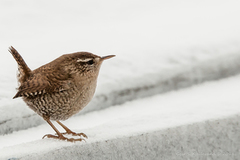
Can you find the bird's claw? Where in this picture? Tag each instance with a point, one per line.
(63, 138)
(76, 134)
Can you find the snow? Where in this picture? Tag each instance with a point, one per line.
(208, 101)
(152, 40)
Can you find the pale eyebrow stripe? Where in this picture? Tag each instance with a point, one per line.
(84, 60)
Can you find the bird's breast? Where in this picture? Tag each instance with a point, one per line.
(62, 105)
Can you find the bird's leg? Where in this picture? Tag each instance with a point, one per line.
(68, 131)
(59, 135)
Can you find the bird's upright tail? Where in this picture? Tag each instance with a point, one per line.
(24, 70)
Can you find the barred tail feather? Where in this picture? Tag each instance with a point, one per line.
(24, 70)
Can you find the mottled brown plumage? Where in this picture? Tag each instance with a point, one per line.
(59, 89)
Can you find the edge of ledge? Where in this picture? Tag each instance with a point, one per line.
(216, 139)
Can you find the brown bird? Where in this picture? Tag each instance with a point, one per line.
(59, 89)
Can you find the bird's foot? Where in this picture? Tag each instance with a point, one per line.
(61, 137)
(75, 134)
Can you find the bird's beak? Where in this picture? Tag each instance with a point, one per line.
(107, 57)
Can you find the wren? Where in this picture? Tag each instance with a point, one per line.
(59, 89)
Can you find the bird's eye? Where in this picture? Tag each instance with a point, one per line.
(90, 62)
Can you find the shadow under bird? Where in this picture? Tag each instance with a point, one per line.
(59, 89)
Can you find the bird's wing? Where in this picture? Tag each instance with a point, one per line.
(31, 87)
(41, 85)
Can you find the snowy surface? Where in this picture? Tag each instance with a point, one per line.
(208, 101)
(152, 40)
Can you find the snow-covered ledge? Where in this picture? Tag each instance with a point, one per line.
(200, 122)
(215, 139)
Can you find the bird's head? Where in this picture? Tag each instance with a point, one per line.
(84, 63)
